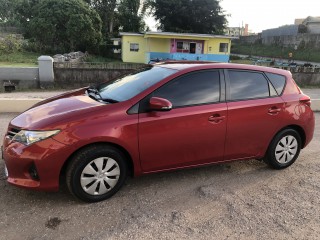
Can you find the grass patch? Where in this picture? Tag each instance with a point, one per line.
(25, 59)
(307, 54)
(242, 61)
(100, 59)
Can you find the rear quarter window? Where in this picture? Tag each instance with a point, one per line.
(278, 81)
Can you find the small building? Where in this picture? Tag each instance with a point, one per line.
(312, 24)
(143, 47)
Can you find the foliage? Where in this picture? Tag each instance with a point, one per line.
(10, 44)
(303, 52)
(106, 10)
(7, 10)
(21, 58)
(64, 25)
(201, 16)
(130, 20)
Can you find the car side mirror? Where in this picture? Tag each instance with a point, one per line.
(160, 104)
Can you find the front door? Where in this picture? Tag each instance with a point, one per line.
(192, 47)
(193, 132)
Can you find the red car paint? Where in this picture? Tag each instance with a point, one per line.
(156, 140)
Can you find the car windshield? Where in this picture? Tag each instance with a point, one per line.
(131, 85)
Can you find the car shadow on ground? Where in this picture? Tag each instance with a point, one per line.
(231, 175)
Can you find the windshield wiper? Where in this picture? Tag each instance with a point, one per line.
(94, 93)
(110, 100)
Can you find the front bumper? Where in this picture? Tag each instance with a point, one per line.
(37, 166)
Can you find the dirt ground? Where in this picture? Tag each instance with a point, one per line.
(239, 200)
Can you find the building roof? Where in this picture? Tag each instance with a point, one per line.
(172, 34)
(311, 20)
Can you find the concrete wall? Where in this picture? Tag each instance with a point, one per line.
(22, 77)
(285, 40)
(309, 79)
(80, 77)
(29, 77)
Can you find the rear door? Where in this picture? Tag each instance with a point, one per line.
(254, 114)
(193, 132)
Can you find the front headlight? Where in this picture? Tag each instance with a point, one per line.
(28, 137)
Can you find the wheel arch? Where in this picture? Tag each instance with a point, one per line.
(298, 129)
(122, 149)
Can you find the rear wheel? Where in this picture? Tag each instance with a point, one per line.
(96, 173)
(284, 149)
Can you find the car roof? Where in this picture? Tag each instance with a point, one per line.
(192, 66)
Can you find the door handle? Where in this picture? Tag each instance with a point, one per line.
(216, 118)
(274, 110)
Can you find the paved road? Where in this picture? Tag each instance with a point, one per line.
(239, 200)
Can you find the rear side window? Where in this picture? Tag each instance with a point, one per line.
(247, 85)
(278, 81)
(192, 89)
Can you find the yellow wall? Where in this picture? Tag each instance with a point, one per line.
(214, 43)
(158, 45)
(134, 57)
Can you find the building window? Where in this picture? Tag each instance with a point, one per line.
(134, 47)
(223, 47)
(183, 47)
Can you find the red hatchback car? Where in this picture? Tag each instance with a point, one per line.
(163, 117)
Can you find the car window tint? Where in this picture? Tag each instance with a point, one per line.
(192, 89)
(246, 85)
(278, 81)
(273, 92)
(126, 87)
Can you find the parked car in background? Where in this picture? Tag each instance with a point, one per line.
(163, 117)
(307, 65)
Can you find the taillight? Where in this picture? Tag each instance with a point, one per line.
(305, 100)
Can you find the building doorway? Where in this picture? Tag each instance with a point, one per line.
(192, 47)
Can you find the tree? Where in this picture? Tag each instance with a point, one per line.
(8, 15)
(129, 17)
(106, 9)
(64, 25)
(193, 16)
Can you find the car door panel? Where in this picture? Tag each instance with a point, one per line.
(183, 136)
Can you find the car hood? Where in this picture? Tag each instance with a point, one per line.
(60, 109)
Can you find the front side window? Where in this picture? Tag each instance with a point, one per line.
(192, 89)
(247, 85)
(134, 47)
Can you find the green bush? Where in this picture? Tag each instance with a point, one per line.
(10, 44)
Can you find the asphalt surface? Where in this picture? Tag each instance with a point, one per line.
(239, 200)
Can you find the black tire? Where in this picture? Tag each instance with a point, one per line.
(96, 173)
(284, 149)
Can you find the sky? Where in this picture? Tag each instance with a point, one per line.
(263, 14)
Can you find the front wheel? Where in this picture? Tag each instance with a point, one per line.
(284, 149)
(96, 173)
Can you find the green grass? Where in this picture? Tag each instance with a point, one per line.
(19, 59)
(100, 59)
(242, 61)
(307, 54)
